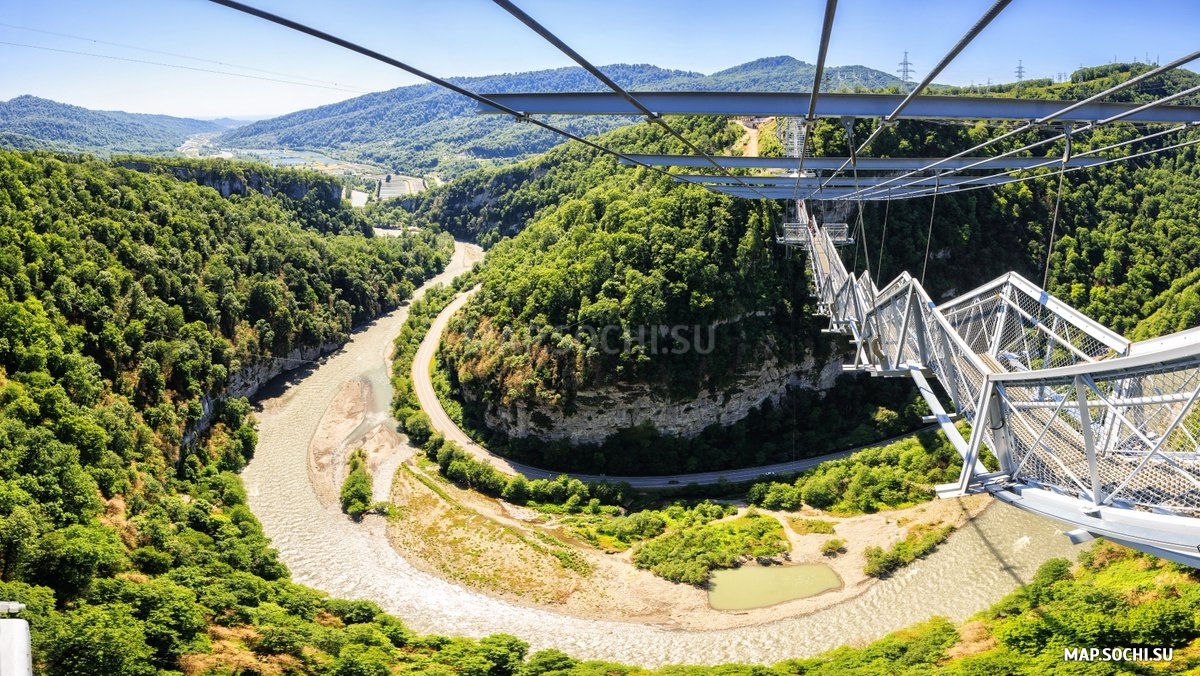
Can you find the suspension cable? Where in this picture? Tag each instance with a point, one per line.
(1021, 179)
(860, 226)
(1053, 226)
(950, 56)
(1043, 120)
(652, 116)
(929, 234)
(811, 119)
(1057, 201)
(887, 208)
(370, 53)
(872, 191)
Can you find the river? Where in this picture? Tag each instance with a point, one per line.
(325, 549)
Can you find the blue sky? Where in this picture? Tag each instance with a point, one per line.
(267, 70)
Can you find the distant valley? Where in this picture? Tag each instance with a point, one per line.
(419, 130)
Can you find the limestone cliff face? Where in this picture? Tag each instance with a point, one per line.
(228, 183)
(248, 380)
(600, 412)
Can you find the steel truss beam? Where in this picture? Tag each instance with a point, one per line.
(864, 163)
(761, 104)
(825, 194)
(863, 182)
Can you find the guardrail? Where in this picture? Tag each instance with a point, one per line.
(1087, 427)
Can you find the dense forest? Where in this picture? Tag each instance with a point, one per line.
(128, 301)
(581, 243)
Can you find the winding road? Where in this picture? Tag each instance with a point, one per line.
(441, 422)
(325, 549)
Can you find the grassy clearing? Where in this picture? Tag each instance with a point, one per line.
(803, 526)
(466, 546)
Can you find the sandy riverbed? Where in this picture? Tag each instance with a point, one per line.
(991, 554)
(500, 549)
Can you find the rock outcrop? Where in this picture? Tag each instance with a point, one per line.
(248, 380)
(595, 414)
(238, 181)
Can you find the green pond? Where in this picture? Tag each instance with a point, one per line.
(762, 586)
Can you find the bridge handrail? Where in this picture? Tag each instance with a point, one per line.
(1112, 339)
(1073, 411)
(1164, 360)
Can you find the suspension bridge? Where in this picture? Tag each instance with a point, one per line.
(1078, 423)
(1085, 426)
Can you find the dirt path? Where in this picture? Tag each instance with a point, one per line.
(751, 147)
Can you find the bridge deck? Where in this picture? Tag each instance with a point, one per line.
(1088, 428)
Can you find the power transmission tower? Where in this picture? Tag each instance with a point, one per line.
(1020, 71)
(905, 69)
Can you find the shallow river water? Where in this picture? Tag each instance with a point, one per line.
(762, 586)
(325, 549)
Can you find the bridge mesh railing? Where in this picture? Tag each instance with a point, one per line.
(1143, 425)
(1023, 328)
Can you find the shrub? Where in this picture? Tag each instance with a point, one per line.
(418, 428)
(921, 540)
(807, 526)
(356, 489)
(833, 547)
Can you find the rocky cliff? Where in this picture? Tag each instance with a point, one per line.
(247, 381)
(236, 180)
(598, 413)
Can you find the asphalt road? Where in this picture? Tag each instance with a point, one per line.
(441, 422)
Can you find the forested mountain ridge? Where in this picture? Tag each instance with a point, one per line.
(32, 123)
(424, 129)
(127, 300)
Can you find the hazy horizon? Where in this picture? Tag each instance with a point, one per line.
(201, 60)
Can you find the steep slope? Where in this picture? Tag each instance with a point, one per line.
(29, 122)
(136, 312)
(652, 322)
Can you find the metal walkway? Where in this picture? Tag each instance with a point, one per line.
(1087, 428)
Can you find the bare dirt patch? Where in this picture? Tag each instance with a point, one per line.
(526, 557)
(503, 550)
(329, 452)
(517, 554)
(882, 529)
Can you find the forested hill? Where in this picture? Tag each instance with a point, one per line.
(425, 129)
(32, 123)
(594, 244)
(125, 299)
